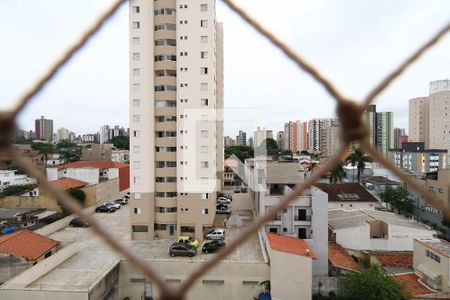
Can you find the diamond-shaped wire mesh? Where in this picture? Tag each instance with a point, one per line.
(349, 112)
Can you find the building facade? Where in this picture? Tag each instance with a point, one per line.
(398, 133)
(260, 135)
(414, 158)
(44, 129)
(62, 134)
(241, 138)
(175, 94)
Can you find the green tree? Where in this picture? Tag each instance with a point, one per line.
(398, 198)
(372, 284)
(121, 142)
(77, 194)
(242, 152)
(65, 144)
(16, 189)
(358, 158)
(44, 149)
(337, 173)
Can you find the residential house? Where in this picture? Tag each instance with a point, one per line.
(21, 250)
(378, 184)
(10, 178)
(339, 261)
(432, 263)
(372, 230)
(287, 256)
(345, 196)
(304, 218)
(92, 172)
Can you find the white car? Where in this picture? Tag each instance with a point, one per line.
(113, 204)
(216, 234)
(223, 200)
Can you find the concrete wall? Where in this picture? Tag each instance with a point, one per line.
(353, 205)
(108, 287)
(290, 276)
(228, 280)
(11, 266)
(43, 295)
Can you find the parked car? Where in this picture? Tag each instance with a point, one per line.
(237, 189)
(126, 196)
(223, 210)
(226, 196)
(182, 249)
(105, 208)
(223, 200)
(113, 204)
(213, 246)
(244, 189)
(221, 205)
(215, 234)
(188, 240)
(123, 201)
(78, 222)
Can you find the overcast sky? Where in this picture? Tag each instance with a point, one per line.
(353, 42)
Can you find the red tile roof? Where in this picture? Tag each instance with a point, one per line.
(412, 286)
(289, 245)
(338, 257)
(97, 164)
(394, 259)
(26, 244)
(68, 183)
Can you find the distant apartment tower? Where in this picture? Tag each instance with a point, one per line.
(44, 129)
(280, 140)
(176, 94)
(228, 141)
(429, 119)
(332, 141)
(260, 135)
(62, 134)
(317, 133)
(398, 132)
(104, 134)
(296, 136)
(381, 129)
(241, 138)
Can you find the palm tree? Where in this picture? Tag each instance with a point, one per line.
(358, 158)
(337, 173)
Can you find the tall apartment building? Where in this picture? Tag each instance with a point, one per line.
(332, 140)
(62, 134)
(280, 140)
(176, 94)
(241, 138)
(296, 136)
(104, 134)
(317, 134)
(398, 133)
(260, 135)
(228, 141)
(381, 128)
(44, 129)
(429, 119)
(384, 131)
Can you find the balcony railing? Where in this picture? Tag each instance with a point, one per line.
(302, 218)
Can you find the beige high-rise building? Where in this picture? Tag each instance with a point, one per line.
(260, 135)
(176, 132)
(429, 117)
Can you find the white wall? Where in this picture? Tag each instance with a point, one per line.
(319, 227)
(91, 176)
(352, 205)
(52, 174)
(400, 238)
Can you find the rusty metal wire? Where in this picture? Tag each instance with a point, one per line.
(349, 112)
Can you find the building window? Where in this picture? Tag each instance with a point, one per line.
(165, 26)
(136, 118)
(137, 210)
(203, 71)
(136, 102)
(205, 196)
(136, 9)
(137, 180)
(204, 102)
(204, 39)
(440, 190)
(136, 56)
(136, 40)
(160, 226)
(136, 149)
(136, 72)
(137, 196)
(137, 165)
(433, 256)
(203, 7)
(204, 54)
(136, 133)
(160, 179)
(136, 87)
(204, 133)
(140, 228)
(204, 86)
(204, 164)
(204, 149)
(136, 25)
(204, 211)
(204, 23)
